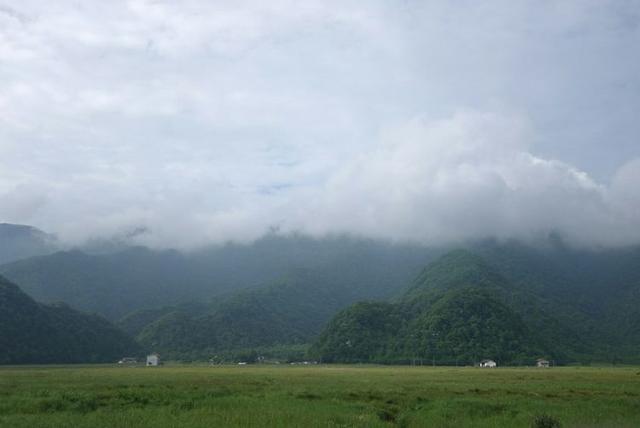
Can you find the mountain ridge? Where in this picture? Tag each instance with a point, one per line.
(33, 333)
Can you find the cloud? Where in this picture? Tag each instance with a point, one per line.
(208, 121)
(472, 176)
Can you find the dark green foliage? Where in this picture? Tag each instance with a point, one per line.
(468, 325)
(545, 421)
(499, 302)
(18, 242)
(362, 333)
(456, 269)
(293, 311)
(35, 333)
(593, 296)
(133, 279)
(135, 322)
(575, 305)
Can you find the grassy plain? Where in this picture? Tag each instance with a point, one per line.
(315, 396)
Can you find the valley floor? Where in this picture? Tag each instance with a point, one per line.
(316, 396)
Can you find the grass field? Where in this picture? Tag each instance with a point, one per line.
(316, 396)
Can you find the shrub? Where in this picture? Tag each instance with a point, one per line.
(545, 421)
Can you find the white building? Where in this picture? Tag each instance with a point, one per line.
(153, 360)
(488, 363)
(541, 362)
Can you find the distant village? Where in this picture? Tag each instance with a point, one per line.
(153, 360)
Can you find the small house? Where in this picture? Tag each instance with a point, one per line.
(541, 362)
(153, 360)
(128, 360)
(488, 363)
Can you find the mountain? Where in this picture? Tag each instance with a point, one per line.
(594, 291)
(117, 284)
(110, 284)
(19, 242)
(505, 301)
(32, 333)
(284, 291)
(290, 311)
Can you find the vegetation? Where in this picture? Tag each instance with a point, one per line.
(466, 307)
(19, 242)
(290, 312)
(500, 300)
(318, 396)
(35, 333)
(116, 284)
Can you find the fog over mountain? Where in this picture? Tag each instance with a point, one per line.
(178, 124)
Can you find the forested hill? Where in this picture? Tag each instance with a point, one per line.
(508, 302)
(19, 242)
(292, 310)
(34, 333)
(137, 278)
(545, 300)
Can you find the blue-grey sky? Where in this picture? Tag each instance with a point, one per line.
(434, 121)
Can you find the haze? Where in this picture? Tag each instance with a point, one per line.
(198, 122)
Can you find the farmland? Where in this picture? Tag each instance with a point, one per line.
(316, 396)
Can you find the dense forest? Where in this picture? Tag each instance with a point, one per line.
(35, 333)
(345, 299)
(291, 311)
(498, 302)
(115, 284)
(19, 242)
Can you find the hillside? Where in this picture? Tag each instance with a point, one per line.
(594, 292)
(290, 311)
(33, 333)
(117, 284)
(20, 242)
(497, 301)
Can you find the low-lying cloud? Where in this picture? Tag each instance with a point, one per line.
(204, 121)
(473, 176)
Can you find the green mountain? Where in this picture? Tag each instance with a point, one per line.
(288, 312)
(508, 302)
(366, 331)
(283, 291)
(33, 333)
(594, 292)
(117, 284)
(19, 242)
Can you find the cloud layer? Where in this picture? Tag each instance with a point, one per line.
(209, 121)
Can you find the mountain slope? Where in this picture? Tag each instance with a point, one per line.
(117, 284)
(34, 333)
(468, 324)
(498, 302)
(291, 311)
(20, 242)
(594, 292)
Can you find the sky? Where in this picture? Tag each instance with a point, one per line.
(200, 121)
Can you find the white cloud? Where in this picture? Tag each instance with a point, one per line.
(209, 120)
(472, 176)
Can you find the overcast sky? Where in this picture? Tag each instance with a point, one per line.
(435, 121)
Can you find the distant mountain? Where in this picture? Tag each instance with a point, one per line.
(455, 311)
(19, 242)
(290, 311)
(109, 284)
(550, 300)
(507, 302)
(596, 292)
(117, 284)
(33, 333)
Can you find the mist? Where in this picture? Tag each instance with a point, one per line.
(180, 124)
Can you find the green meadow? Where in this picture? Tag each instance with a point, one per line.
(317, 396)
